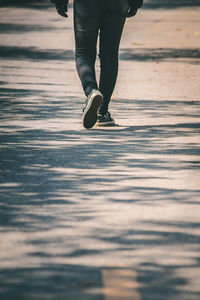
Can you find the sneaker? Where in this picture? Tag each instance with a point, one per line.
(105, 120)
(91, 109)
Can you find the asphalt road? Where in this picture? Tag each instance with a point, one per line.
(113, 213)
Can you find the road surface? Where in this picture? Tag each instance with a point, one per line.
(110, 213)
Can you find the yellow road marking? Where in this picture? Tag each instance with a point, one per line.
(120, 284)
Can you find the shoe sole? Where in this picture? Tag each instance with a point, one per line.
(91, 111)
(101, 124)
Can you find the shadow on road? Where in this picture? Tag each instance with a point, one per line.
(9, 28)
(35, 4)
(48, 177)
(170, 4)
(40, 165)
(32, 53)
(161, 54)
(137, 54)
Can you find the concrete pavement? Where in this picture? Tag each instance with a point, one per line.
(104, 213)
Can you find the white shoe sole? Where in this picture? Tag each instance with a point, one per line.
(102, 124)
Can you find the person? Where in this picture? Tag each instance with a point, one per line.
(105, 18)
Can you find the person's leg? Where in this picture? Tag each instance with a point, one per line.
(111, 28)
(86, 27)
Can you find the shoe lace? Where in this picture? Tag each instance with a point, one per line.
(107, 114)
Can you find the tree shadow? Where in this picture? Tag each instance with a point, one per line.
(52, 281)
(170, 4)
(48, 178)
(36, 172)
(10, 28)
(35, 4)
(33, 53)
(161, 54)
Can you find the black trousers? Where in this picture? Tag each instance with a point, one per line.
(105, 18)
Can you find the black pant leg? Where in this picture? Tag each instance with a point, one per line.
(111, 29)
(86, 28)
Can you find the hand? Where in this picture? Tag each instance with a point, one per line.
(61, 7)
(133, 7)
